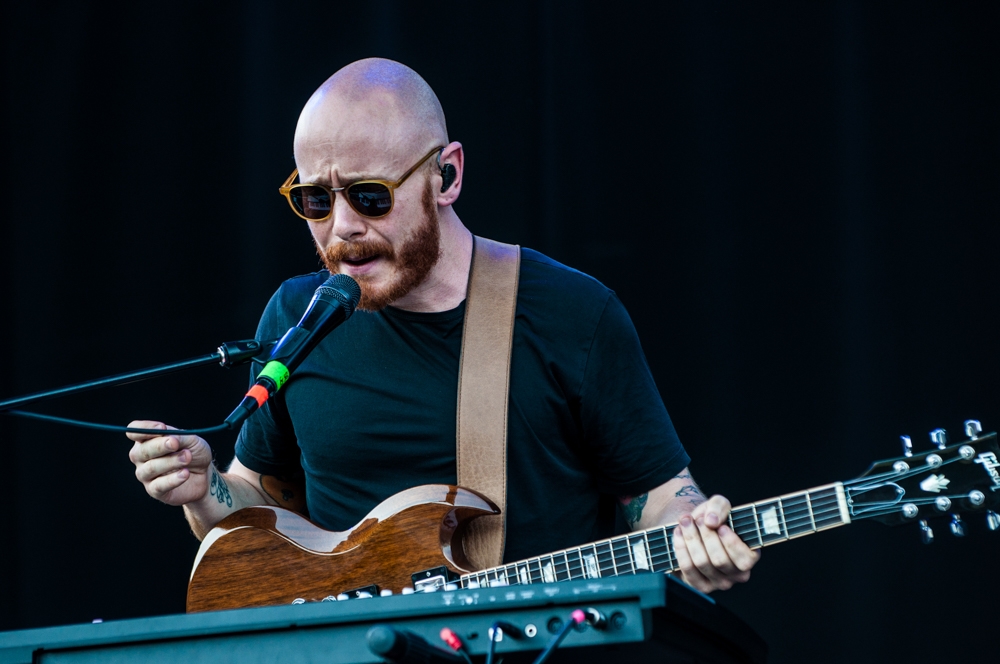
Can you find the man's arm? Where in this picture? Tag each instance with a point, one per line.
(178, 470)
(710, 555)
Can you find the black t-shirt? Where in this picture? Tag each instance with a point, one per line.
(371, 411)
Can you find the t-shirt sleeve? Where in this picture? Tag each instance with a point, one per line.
(266, 443)
(625, 424)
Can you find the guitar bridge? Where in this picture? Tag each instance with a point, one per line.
(364, 592)
(432, 579)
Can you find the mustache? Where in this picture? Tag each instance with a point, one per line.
(356, 251)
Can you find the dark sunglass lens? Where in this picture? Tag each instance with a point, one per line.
(370, 198)
(311, 202)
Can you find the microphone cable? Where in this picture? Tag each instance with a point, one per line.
(120, 429)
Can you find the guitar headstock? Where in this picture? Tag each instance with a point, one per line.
(943, 482)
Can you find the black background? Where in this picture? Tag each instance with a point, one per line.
(811, 273)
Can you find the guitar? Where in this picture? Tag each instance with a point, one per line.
(266, 555)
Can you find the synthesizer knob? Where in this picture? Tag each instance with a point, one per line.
(973, 428)
(926, 534)
(408, 590)
(298, 600)
(364, 594)
(385, 592)
(907, 445)
(956, 525)
(342, 597)
(450, 586)
(992, 520)
(940, 438)
(329, 598)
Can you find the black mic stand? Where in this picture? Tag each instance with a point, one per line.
(228, 354)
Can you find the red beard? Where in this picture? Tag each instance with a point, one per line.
(416, 257)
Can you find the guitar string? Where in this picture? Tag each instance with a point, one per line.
(795, 509)
(618, 548)
(608, 552)
(745, 524)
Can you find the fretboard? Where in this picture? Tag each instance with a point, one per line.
(758, 524)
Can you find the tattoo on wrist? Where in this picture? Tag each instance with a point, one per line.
(632, 508)
(689, 490)
(219, 489)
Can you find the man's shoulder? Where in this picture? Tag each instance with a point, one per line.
(541, 273)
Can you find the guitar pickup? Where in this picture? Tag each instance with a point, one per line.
(432, 579)
(364, 592)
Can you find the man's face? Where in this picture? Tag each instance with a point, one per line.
(388, 256)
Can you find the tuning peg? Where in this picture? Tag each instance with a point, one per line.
(956, 525)
(940, 438)
(973, 428)
(926, 534)
(992, 520)
(907, 446)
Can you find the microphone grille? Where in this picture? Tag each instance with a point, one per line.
(343, 289)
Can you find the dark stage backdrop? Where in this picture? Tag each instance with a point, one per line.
(798, 205)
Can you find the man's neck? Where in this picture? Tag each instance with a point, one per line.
(448, 281)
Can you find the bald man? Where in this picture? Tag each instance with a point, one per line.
(371, 412)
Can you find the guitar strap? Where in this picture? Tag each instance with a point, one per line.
(483, 389)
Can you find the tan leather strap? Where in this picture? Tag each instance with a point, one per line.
(483, 387)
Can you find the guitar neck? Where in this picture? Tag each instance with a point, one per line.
(758, 524)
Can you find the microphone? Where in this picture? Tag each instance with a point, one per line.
(331, 305)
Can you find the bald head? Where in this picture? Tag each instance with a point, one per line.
(373, 113)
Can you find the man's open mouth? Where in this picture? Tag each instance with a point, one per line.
(355, 262)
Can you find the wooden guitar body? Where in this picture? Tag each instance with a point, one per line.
(262, 556)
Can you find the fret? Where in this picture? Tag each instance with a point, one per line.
(768, 521)
(629, 558)
(671, 556)
(812, 517)
(827, 508)
(781, 516)
(756, 524)
(523, 574)
(562, 574)
(639, 553)
(535, 570)
(649, 555)
(797, 517)
(605, 561)
(622, 556)
(574, 560)
(510, 575)
(591, 567)
(548, 569)
(659, 554)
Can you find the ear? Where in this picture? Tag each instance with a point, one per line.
(452, 164)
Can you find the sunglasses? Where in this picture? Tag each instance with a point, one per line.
(369, 198)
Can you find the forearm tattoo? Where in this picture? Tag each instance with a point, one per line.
(690, 492)
(219, 489)
(632, 508)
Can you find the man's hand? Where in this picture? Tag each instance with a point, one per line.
(174, 469)
(711, 556)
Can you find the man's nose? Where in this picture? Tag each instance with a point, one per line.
(347, 223)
